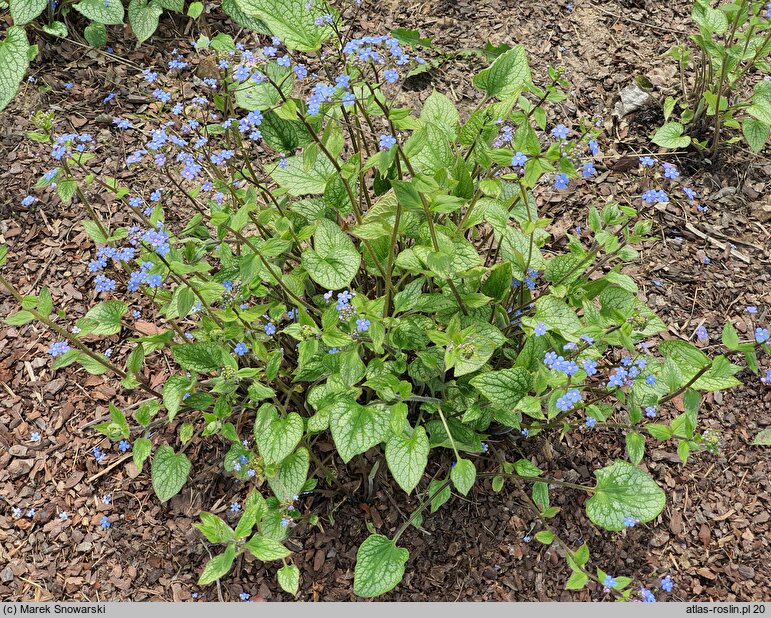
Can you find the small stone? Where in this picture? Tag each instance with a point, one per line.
(7, 575)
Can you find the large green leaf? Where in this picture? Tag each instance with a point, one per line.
(291, 476)
(407, 457)
(143, 17)
(504, 388)
(277, 437)
(440, 111)
(201, 357)
(24, 11)
(379, 566)
(103, 319)
(251, 95)
(169, 471)
(507, 75)
(292, 20)
(14, 60)
(357, 428)
(334, 261)
(713, 20)
(297, 180)
(557, 315)
(108, 12)
(232, 10)
(624, 490)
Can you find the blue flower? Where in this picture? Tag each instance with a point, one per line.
(98, 454)
(540, 329)
(35, 436)
(362, 325)
(525, 432)
(58, 347)
(560, 131)
(122, 123)
(270, 329)
(761, 335)
(518, 160)
(105, 523)
(244, 596)
(647, 596)
(106, 499)
(103, 284)
(590, 367)
(609, 582)
(124, 445)
(630, 522)
(650, 379)
(590, 421)
(241, 348)
(235, 507)
(647, 161)
(670, 171)
(667, 584)
(391, 75)
(561, 181)
(588, 169)
(650, 411)
(702, 334)
(387, 142)
(64, 516)
(28, 201)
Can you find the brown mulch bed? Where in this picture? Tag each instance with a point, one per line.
(713, 537)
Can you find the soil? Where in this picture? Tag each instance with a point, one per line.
(713, 536)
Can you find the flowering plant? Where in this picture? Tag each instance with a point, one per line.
(320, 261)
(734, 44)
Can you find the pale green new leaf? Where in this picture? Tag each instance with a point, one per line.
(14, 60)
(379, 566)
(671, 135)
(624, 490)
(763, 438)
(407, 457)
(289, 578)
(334, 261)
(107, 12)
(504, 388)
(463, 475)
(169, 471)
(141, 451)
(103, 319)
(218, 566)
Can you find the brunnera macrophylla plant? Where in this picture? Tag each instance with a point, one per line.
(722, 85)
(316, 261)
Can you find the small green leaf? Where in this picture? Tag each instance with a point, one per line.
(195, 9)
(265, 549)
(755, 132)
(169, 471)
(218, 566)
(379, 566)
(141, 451)
(214, 528)
(289, 578)
(463, 475)
(623, 490)
(635, 447)
(730, 336)
(103, 319)
(96, 35)
(670, 135)
(545, 536)
(763, 438)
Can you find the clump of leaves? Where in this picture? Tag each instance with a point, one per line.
(318, 261)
